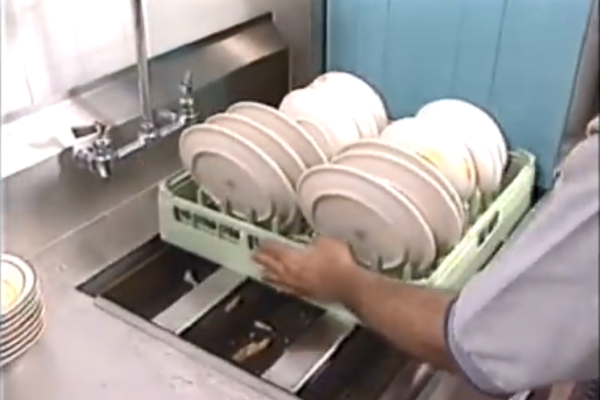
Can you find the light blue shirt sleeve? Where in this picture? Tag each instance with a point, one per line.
(530, 318)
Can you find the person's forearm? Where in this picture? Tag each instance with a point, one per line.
(410, 317)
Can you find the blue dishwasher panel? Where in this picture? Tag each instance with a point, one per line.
(515, 58)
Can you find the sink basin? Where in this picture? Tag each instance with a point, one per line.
(275, 339)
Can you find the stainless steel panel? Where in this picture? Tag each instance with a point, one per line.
(304, 357)
(300, 22)
(200, 300)
(45, 202)
(255, 388)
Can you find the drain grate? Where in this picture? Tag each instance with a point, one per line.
(361, 369)
(252, 326)
(276, 339)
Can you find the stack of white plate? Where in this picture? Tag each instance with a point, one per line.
(460, 139)
(398, 193)
(22, 314)
(393, 207)
(408, 191)
(345, 107)
(248, 160)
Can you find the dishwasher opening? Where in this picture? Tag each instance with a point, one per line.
(276, 339)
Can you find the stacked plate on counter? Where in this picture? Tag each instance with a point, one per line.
(22, 317)
(397, 192)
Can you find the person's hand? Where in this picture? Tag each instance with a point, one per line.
(325, 271)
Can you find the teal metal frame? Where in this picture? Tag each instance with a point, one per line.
(518, 59)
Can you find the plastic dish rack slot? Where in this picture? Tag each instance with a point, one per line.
(200, 229)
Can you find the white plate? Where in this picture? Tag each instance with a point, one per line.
(477, 131)
(433, 202)
(450, 156)
(285, 128)
(265, 139)
(308, 103)
(361, 88)
(383, 224)
(395, 151)
(355, 106)
(231, 168)
(21, 332)
(11, 337)
(485, 122)
(18, 283)
(319, 133)
(20, 313)
(25, 342)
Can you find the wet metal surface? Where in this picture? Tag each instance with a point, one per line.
(305, 356)
(197, 302)
(286, 342)
(70, 226)
(61, 198)
(253, 328)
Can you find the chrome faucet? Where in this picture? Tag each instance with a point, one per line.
(98, 155)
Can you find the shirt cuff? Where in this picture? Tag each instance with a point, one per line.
(467, 366)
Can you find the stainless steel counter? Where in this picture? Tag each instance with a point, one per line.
(87, 354)
(60, 197)
(69, 225)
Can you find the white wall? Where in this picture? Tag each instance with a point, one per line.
(51, 46)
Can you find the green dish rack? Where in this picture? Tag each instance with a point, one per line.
(188, 224)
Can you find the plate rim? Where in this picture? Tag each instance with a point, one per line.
(37, 312)
(428, 259)
(299, 165)
(36, 335)
(466, 156)
(28, 304)
(291, 123)
(402, 163)
(440, 178)
(283, 179)
(319, 126)
(29, 277)
(340, 140)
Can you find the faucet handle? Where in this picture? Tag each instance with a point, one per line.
(186, 86)
(97, 128)
(102, 129)
(187, 109)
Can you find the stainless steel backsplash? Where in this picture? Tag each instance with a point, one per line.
(52, 46)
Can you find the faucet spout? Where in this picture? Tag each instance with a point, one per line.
(98, 154)
(148, 123)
